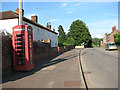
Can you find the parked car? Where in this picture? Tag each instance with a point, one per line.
(111, 46)
(98, 45)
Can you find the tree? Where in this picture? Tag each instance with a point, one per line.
(61, 36)
(80, 33)
(96, 41)
(117, 38)
(70, 41)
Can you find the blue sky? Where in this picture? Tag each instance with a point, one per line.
(100, 17)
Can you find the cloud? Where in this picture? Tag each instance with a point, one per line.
(73, 7)
(81, 4)
(98, 36)
(104, 23)
(52, 20)
(63, 1)
(69, 11)
(98, 29)
(111, 14)
(77, 4)
(64, 4)
(29, 16)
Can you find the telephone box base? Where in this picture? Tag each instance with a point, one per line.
(23, 68)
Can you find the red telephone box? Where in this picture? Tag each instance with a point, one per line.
(22, 42)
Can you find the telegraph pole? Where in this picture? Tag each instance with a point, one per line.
(20, 13)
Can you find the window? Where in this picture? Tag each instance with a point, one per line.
(38, 30)
(56, 45)
(52, 43)
(41, 40)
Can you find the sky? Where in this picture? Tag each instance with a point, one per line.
(99, 17)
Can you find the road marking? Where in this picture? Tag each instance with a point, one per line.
(49, 67)
(80, 69)
(82, 72)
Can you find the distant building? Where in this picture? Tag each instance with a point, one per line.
(10, 19)
(109, 38)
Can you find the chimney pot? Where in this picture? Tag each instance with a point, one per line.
(47, 25)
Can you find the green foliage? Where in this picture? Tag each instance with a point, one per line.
(70, 41)
(61, 36)
(96, 41)
(117, 38)
(80, 33)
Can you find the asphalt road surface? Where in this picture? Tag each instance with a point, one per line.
(100, 67)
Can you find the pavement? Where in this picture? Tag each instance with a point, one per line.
(100, 67)
(62, 71)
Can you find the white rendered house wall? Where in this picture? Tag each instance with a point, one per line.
(40, 34)
(8, 24)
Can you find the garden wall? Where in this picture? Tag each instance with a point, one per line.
(41, 51)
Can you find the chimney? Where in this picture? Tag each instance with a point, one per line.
(105, 34)
(113, 28)
(34, 18)
(48, 25)
(17, 11)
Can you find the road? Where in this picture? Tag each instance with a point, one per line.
(62, 71)
(100, 67)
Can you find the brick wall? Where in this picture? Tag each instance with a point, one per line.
(41, 51)
(63, 48)
(6, 54)
(111, 38)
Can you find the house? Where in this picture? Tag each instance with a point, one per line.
(40, 33)
(109, 38)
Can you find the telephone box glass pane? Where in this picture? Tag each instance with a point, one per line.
(30, 48)
(20, 48)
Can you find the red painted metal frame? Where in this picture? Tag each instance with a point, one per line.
(26, 61)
